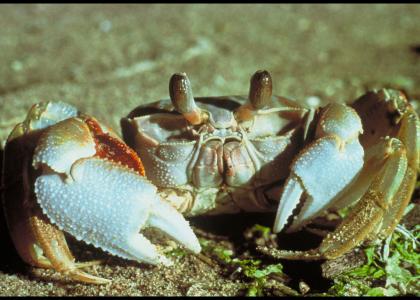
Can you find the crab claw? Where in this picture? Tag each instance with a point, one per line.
(336, 157)
(107, 205)
(92, 187)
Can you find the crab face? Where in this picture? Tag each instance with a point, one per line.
(224, 162)
(234, 154)
(221, 155)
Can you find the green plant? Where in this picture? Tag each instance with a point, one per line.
(255, 273)
(392, 269)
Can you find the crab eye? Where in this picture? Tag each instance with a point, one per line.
(182, 98)
(261, 89)
(259, 97)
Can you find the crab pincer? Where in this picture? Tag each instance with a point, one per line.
(380, 190)
(335, 157)
(83, 180)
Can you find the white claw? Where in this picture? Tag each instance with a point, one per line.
(169, 220)
(290, 197)
(321, 171)
(107, 205)
(141, 249)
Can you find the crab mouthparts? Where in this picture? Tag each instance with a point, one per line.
(224, 135)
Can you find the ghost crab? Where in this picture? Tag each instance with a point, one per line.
(64, 171)
(262, 152)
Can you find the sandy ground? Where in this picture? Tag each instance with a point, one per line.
(107, 59)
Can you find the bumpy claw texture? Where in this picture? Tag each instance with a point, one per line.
(332, 160)
(102, 205)
(89, 184)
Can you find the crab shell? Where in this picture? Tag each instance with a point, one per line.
(227, 164)
(64, 171)
(219, 167)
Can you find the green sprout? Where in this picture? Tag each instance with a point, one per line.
(264, 230)
(252, 269)
(343, 212)
(257, 275)
(391, 270)
(177, 252)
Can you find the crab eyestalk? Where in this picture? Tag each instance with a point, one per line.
(182, 98)
(260, 92)
(261, 89)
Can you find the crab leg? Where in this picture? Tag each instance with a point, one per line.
(324, 168)
(409, 133)
(52, 242)
(369, 211)
(40, 243)
(376, 157)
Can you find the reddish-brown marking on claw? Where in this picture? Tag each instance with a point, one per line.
(113, 149)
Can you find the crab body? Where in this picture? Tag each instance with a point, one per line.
(262, 152)
(64, 171)
(222, 166)
(227, 164)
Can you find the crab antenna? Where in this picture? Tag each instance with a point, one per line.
(261, 89)
(182, 98)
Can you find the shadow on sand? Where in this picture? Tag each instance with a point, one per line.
(10, 261)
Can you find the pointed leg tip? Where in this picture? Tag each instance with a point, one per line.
(88, 278)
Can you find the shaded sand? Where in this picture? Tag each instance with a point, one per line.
(107, 59)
